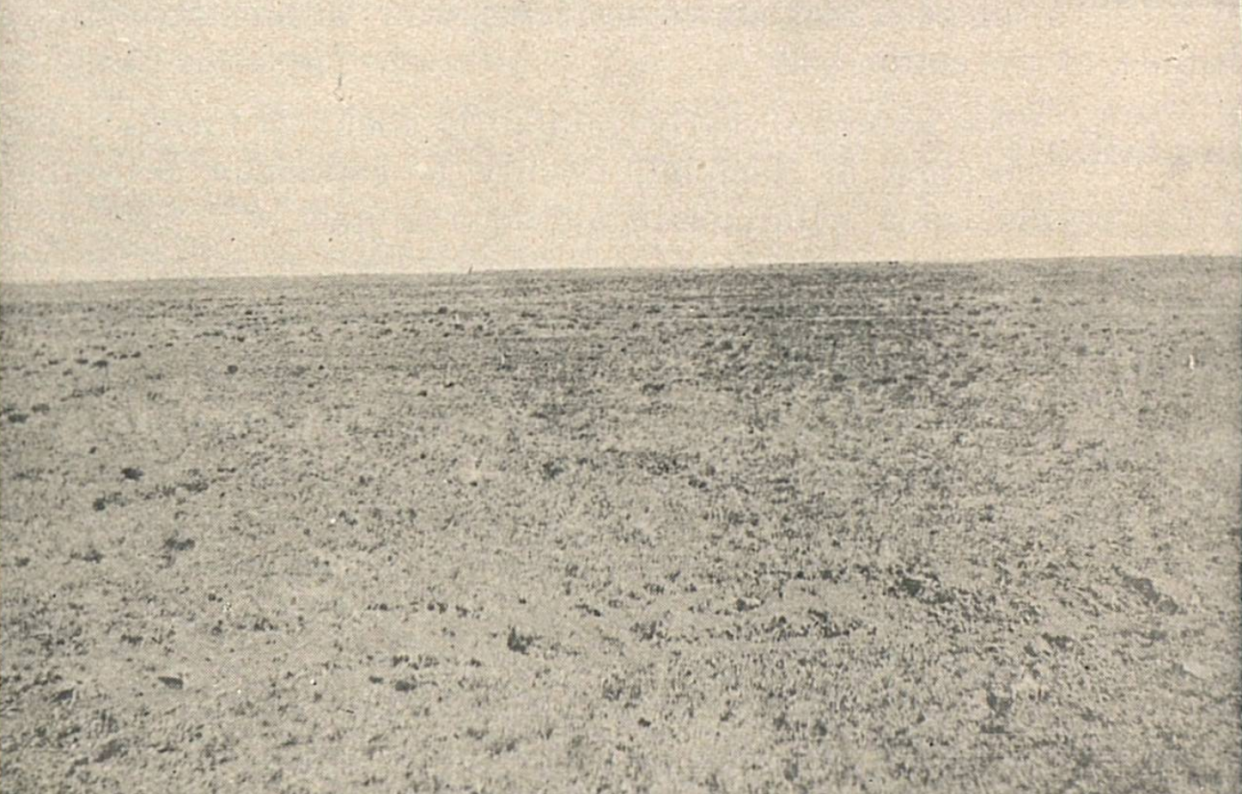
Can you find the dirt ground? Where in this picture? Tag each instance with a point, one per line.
(842, 528)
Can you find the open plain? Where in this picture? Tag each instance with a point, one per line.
(829, 528)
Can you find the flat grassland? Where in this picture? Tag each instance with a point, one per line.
(855, 528)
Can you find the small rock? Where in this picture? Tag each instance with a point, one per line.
(747, 603)
(1152, 596)
(92, 555)
(179, 544)
(1059, 641)
(112, 749)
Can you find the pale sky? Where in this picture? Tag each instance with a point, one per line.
(153, 139)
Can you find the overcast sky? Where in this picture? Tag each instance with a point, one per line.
(152, 138)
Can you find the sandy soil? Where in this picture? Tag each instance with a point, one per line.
(841, 528)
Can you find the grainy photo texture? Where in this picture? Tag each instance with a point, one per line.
(598, 397)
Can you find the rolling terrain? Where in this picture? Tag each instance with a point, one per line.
(855, 528)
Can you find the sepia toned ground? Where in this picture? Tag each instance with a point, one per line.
(883, 529)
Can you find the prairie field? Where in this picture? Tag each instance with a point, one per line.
(884, 528)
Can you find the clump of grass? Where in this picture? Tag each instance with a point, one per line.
(520, 643)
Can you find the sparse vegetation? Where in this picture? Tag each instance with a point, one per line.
(816, 529)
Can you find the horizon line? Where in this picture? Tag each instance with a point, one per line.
(589, 269)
